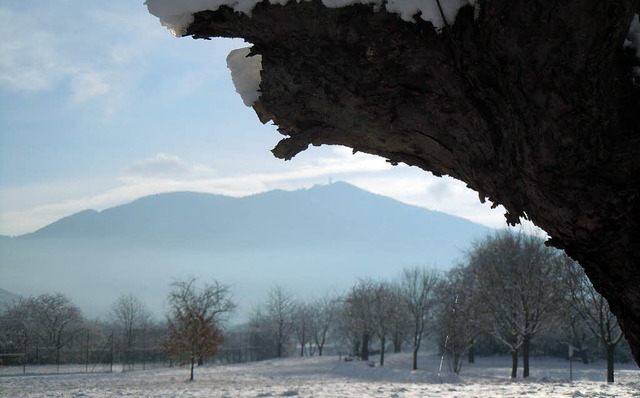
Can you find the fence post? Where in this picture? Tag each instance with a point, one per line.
(57, 358)
(124, 349)
(24, 357)
(144, 349)
(111, 361)
(86, 353)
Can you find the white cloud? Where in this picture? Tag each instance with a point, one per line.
(89, 84)
(91, 51)
(160, 165)
(35, 58)
(29, 61)
(26, 208)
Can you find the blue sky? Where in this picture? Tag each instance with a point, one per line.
(100, 105)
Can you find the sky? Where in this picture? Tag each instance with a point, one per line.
(101, 105)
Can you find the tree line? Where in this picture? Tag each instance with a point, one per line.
(50, 328)
(511, 294)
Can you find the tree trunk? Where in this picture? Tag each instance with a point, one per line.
(415, 359)
(397, 344)
(611, 349)
(457, 363)
(471, 357)
(193, 361)
(57, 359)
(356, 348)
(365, 347)
(383, 343)
(531, 104)
(583, 356)
(514, 364)
(525, 357)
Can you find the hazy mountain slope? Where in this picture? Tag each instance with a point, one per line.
(309, 240)
(337, 214)
(178, 216)
(6, 298)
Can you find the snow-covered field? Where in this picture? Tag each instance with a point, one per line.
(330, 377)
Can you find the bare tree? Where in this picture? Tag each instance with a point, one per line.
(302, 319)
(195, 320)
(131, 316)
(323, 317)
(50, 319)
(356, 317)
(387, 309)
(456, 319)
(593, 310)
(13, 333)
(279, 310)
(518, 286)
(401, 325)
(260, 334)
(573, 330)
(418, 287)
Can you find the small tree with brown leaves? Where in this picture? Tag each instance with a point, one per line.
(194, 321)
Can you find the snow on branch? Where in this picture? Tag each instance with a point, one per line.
(178, 15)
(632, 40)
(245, 73)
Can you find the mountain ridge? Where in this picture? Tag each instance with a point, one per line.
(196, 219)
(311, 239)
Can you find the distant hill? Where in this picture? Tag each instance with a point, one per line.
(6, 298)
(309, 240)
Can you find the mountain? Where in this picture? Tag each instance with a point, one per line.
(310, 241)
(336, 215)
(6, 298)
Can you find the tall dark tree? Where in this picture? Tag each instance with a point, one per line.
(195, 319)
(533, 104)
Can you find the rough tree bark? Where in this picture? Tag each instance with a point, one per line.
(533, 104)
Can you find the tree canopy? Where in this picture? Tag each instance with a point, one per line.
(195, 319)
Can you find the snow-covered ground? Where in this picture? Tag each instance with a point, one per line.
(329, 377)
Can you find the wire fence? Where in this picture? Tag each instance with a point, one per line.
(89, 359)
(240, 354)
(103, 358)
